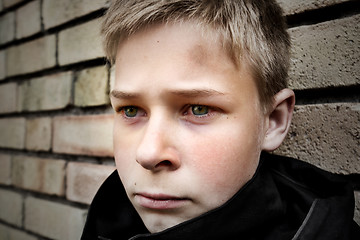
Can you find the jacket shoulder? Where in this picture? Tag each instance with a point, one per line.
(324, 200)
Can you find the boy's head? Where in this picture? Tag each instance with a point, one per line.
(198, 93)
(251, 31)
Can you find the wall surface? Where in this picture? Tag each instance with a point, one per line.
(56, 122)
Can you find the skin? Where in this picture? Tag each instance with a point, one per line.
(189, 128)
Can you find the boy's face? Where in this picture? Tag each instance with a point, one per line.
(188, 125)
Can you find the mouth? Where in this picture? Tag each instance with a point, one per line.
(160, 201)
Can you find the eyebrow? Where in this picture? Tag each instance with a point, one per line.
(190, 93)
(123, 95)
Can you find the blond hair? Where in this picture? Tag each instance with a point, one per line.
(253, 31)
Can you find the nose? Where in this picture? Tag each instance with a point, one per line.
(156, 151)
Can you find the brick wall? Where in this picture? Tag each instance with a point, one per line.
(55, 119)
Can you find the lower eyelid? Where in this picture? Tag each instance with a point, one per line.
(201, 118)
(209, 114)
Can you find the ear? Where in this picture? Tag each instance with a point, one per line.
(279, 119)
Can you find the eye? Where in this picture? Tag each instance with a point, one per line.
(130, 111)
(201, 114)
(199, 110)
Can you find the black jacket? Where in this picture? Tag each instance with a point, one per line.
(286, 199)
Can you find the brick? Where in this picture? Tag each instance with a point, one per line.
(80, 43)
(7, 27)
(8, 233)
(10, 3)
(38, 134)
(5, 169)
(326, 54)
(28, 19)
(8, 98)
(2, 64)
(53, 220)
(46, 93)
(11, 207)
(290, 6)
(84, 179)
(59, 12)
(39, 174)
(86, 135)
(91, 87)
(32, 56)
(12, 133)
(326, 135)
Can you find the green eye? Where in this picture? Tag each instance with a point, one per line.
(130, 111)
(199, 110)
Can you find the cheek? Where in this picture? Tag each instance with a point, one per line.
(223, 167)
(124, 140)
(227, 161)
(123, 149)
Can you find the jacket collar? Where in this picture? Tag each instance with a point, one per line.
(260, 210)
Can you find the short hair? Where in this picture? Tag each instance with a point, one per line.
(253, 31)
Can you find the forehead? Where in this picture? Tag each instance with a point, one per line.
(199, 43)
(175, 55)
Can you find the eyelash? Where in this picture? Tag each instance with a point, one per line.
(188, 108)
(121, 110)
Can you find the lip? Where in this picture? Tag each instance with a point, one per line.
(160, 201)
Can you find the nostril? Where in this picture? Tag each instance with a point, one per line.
(165, 163)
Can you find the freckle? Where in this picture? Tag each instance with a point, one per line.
(135, 184)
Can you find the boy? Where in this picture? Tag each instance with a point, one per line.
(199, 97)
